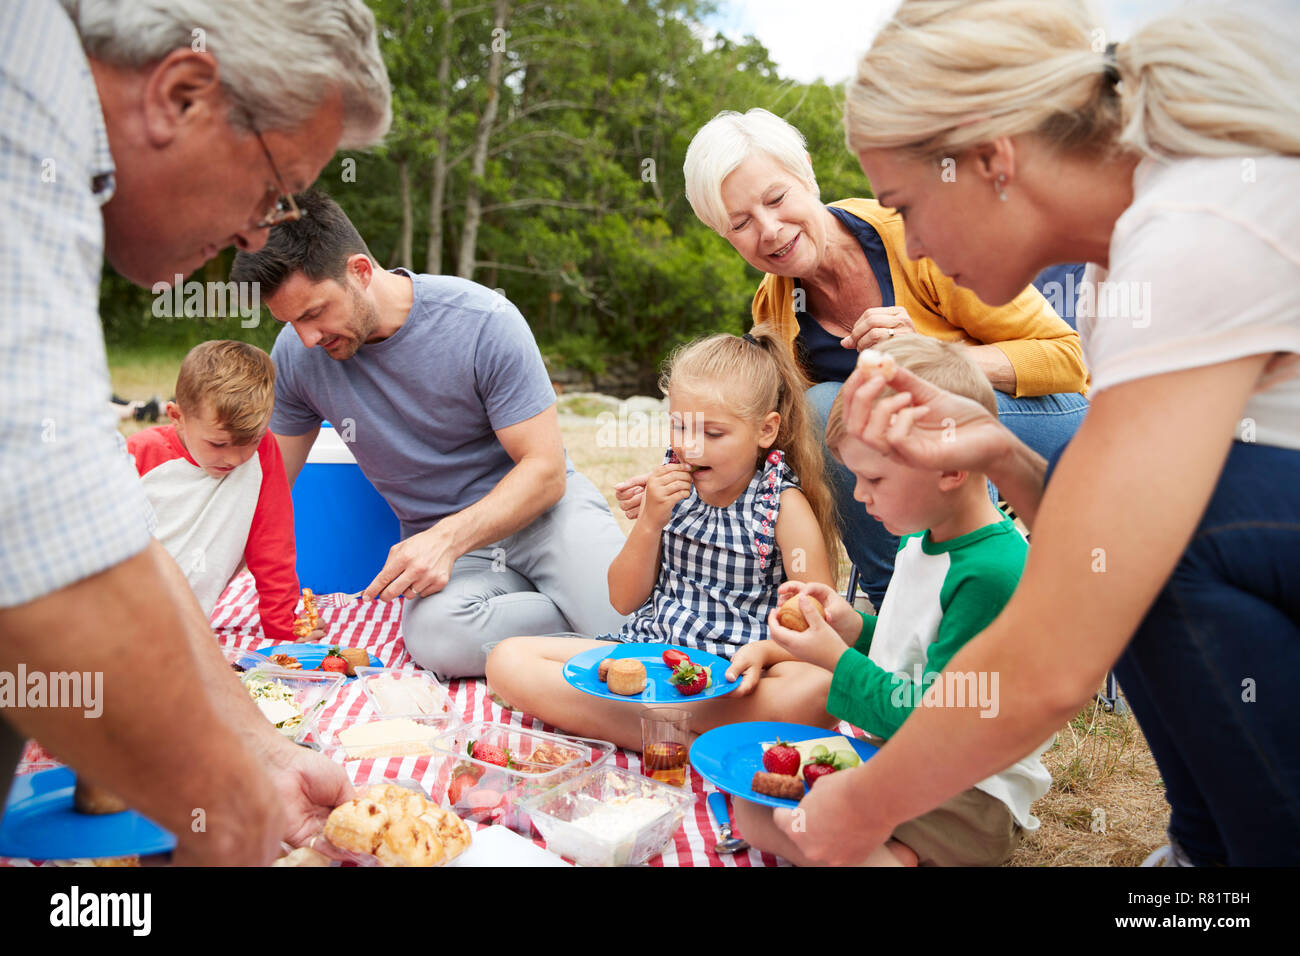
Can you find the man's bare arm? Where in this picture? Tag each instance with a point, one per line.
(162, 742)
(422, 563)
(294, 449)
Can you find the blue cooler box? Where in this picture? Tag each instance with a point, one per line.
(343, 527)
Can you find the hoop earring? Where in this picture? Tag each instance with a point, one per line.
(1000, 187)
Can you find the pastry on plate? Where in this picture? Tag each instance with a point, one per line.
(602, 671)
(90, 799)
(626, 677)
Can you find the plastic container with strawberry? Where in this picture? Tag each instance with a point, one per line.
(485, 769)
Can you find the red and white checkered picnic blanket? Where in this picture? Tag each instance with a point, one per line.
(376, 627)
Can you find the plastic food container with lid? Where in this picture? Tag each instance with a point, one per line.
(350, 726)
(484, 792)
(608, 816)
(308, 691)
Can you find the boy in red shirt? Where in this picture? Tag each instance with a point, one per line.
(216, 481)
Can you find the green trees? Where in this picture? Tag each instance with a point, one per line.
(537, 148)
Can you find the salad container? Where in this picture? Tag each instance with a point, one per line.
(278, 693)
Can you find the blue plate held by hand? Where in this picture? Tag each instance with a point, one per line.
(729, 756)
(40, 823)
(580, 671)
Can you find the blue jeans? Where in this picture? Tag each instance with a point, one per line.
(1212, 671)
(1045, 423)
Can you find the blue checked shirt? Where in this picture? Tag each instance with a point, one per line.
(70, 502)
(721, 569)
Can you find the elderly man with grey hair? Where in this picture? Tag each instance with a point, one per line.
(154, 135)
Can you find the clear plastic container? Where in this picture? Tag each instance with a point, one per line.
(404, 693)
(483, 792)
(243, 659)
(608, 816)
(337, 728)
(309, 691)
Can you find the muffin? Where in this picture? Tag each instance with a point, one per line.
(626, 677)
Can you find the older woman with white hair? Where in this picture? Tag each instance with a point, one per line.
(839, 279)
(1168, 538)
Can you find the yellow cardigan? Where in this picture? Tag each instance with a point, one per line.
(1042, 348)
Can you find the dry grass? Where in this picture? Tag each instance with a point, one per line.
(1107, 803)
(1106, 806)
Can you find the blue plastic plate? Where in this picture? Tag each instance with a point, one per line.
(580, 672)
(40, 824)
(728, 757)
(309, 655)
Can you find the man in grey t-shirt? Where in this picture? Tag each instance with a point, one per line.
(437, 384)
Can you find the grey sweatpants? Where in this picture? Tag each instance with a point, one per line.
(548, 578)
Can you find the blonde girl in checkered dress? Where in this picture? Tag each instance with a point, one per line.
(739, 506)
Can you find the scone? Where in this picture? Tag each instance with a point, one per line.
(626, 677)
(777, 785)
(88, 798)
(454, 832)
(602, 671)
(303, 856)
(410, 842)
(792, 617)
(357, 825)
(398, 827)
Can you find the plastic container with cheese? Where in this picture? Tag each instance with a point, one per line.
(352, 728)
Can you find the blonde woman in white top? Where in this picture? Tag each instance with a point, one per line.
(1168, 541)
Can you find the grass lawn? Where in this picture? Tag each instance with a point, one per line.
(1106, 806)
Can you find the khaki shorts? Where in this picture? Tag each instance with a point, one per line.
(971, 829)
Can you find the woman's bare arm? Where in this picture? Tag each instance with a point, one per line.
(1119, 513)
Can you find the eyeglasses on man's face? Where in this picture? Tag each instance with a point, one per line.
(281, 207)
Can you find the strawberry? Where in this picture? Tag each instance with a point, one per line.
(489, 754)
(820, 767)
(675, 658)
(333, 661)
(690, 679)
(460, 785)
(782, 758)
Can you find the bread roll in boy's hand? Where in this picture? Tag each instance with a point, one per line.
(790, 615)
(831, 626)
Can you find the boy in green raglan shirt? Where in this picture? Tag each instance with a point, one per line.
(959, 561)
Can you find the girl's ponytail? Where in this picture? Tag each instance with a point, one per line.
(797, 437)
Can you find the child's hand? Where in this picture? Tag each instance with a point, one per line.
(839, 612)
(747, 665)
(818, 645)
(629, 495)
(667, 485)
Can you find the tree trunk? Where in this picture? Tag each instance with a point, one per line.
(433, 257)
(474, 193)
(404, 253)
